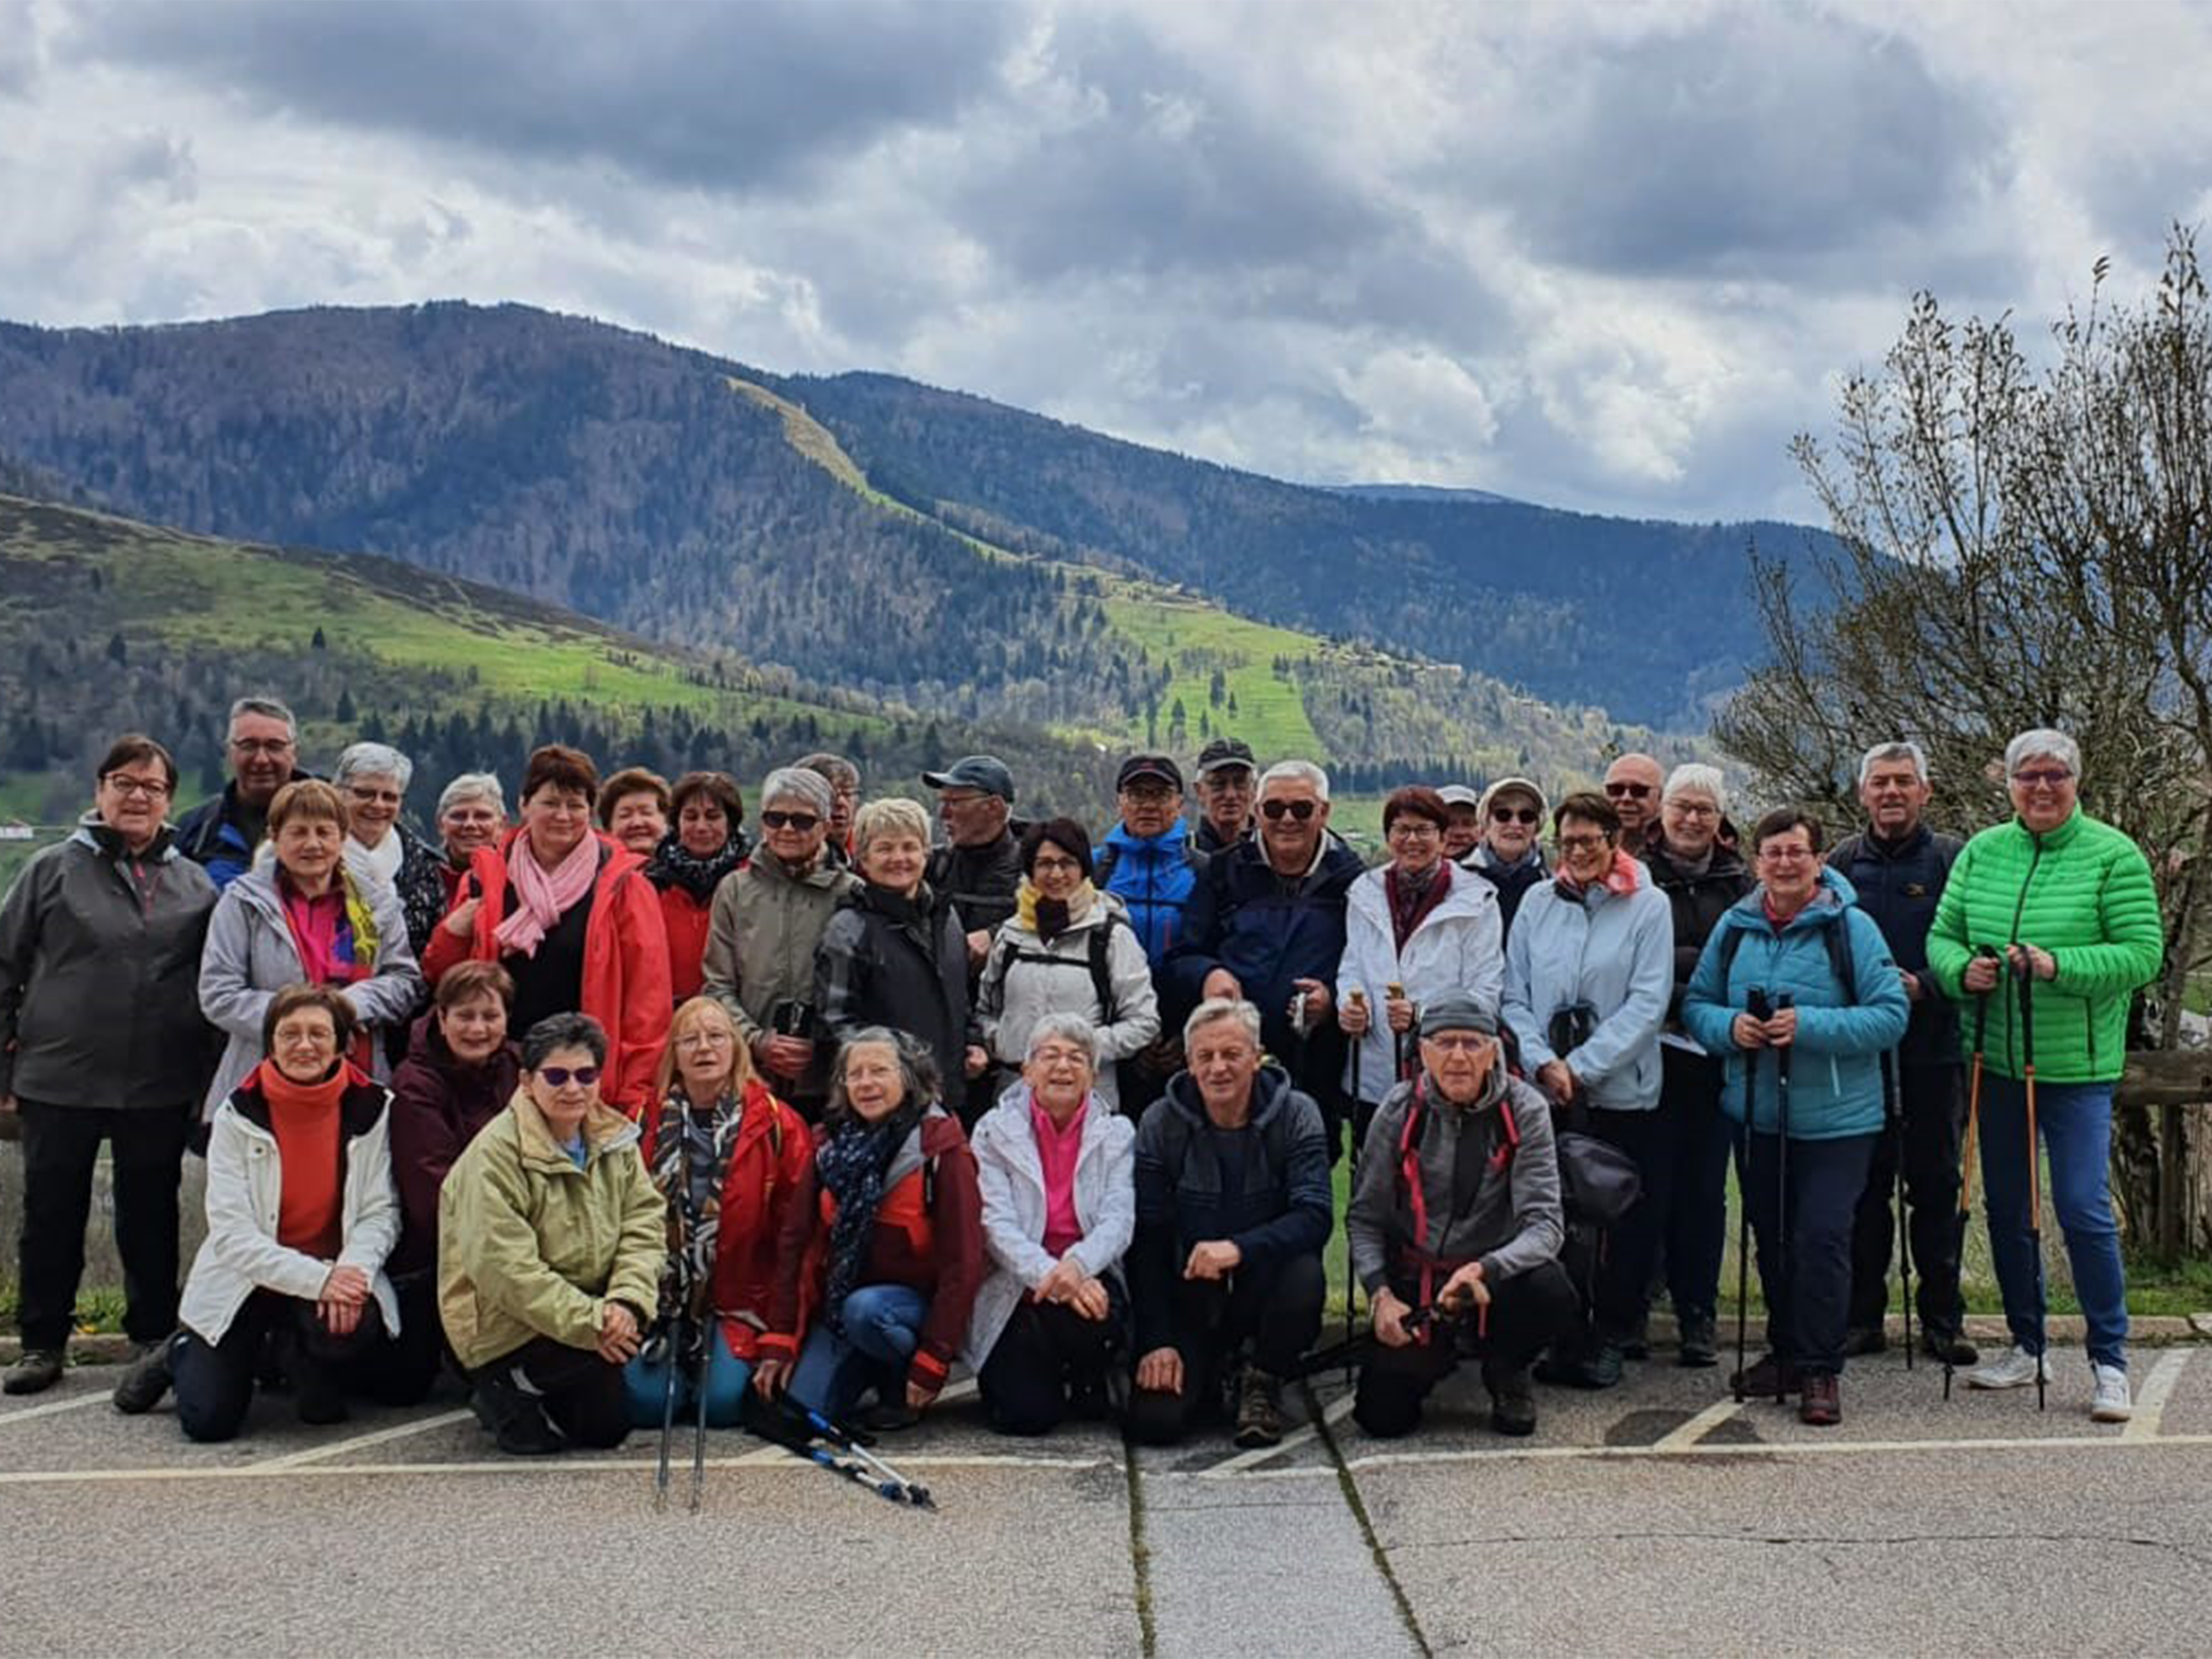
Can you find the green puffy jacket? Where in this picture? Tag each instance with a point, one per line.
(530, 1245)
(2082, 892)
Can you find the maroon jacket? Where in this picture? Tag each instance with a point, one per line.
(438, 1104)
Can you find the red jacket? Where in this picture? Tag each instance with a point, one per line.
(686, 919)
(928, 1236)
(625, 962)
(771, 1166)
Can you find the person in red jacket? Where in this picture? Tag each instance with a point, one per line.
(570, 915)
(887, 1241)
(732, 1160)
(703, 843)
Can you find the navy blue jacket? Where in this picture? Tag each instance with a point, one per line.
(1898, 886)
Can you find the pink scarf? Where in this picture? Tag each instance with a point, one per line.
(542, 896)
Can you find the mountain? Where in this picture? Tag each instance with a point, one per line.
(893, 540)
(1407, 492)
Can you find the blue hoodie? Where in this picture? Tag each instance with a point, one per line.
(1152, 875)
(1835, 1072)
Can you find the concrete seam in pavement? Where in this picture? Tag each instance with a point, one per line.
(1350, 1487)
(1140, 1554)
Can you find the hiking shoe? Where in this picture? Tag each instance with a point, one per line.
(1699, 1342)
(1259, 1409)
(1636, 1343)
(1822, 1405)
(1512, 1398)
(1768, 1374)
(145, 1380)
(2111, 1403)
(516, 1419)
(1599, 1368)
(1863, 1339)
(890, 1416)
(2016, 1368)
(1949, 1348)
(39, 1370)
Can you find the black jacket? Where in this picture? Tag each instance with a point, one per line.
(1512, 882)
(885, 960)
(979, 882)
(1899, 886)
(1699, 900)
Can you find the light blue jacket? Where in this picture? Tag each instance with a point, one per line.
(1835, 1072)
(1613, 951)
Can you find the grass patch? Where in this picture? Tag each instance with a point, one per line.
(1193, 637)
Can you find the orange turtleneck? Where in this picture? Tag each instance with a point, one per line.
(304, 1117)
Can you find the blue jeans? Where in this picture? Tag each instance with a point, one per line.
(2075, 1119)
(882, 1324)
(645, 1386)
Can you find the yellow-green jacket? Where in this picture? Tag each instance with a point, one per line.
(530, 1245)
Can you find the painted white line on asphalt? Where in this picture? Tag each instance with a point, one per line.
(251, 1472)
(1792, 1449)
(2150, 1404)
(1335, 1411)
(1686, 1438)
(51, 1408)
(360, 1442)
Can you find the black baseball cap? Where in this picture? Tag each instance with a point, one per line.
(1148, 766)
(1226, 751)
(985, 772)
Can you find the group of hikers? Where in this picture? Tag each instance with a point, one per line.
(612, 1109)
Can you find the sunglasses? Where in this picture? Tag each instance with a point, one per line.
(1516, 815)
(562, 1076)
(1300, 810)
(1633, 791)
(801, 821)
(2051, 780)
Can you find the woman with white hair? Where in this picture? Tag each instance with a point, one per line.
(2051, 920)
(374, 778)
(1056, 1166)
(471, 813)
(1701, 877)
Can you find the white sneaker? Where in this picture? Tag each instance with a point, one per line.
(2015, 1368)
(2111, 1403)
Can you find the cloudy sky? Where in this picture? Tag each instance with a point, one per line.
(1604, 253)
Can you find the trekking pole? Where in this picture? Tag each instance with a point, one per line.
(870, 1469)
(1755, 1006)
(1973, 1129)
(667, 1420)
(707, 1336)
(1781, 1192)
(2026, 972)
(1358, 997)
(1894, 1109)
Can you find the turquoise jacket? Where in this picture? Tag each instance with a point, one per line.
(1835, 1069)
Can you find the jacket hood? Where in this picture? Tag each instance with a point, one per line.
(427, 1044)
(1271, 1093)
(93, 831)
(1470, 896)
(1833, 895)
(605, 1130)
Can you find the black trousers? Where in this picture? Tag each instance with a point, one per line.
(214, 1380)
(1047, 1354)
(1276, 1311)
(407, 1367)
(1621, 1287)
(61, 1144)
(1698, 1149)
(1526, 1313)
(1933, 1129)
(1809, 1285)
(580, 1391)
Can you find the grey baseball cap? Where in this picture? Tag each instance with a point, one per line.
(1455, 1011)
(985, 772)
(1226, 751)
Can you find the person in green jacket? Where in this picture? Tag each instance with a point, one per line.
(551, 1237)
(2069, 901)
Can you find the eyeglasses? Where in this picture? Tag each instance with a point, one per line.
(2050, 778)
(1581, 843)
(1458, 1042)
(373, 797)
(262, 745)
(1055, 866)
(1516, 815)
(303, 1036)
(1300, 810)
(703, 1040)
(1051, 1055)
(142, 788)
(1151, 794)
(560, 1076)
(1412, 830)
(1682, 809)
(1785, 855)
(801, 821)
(1230, 779)
(1633, 791)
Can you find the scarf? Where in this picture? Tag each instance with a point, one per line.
(1049, 918)
(1410, 904)
(541, 896)
(673, 865)
(691, 1228)
(336, 937)
(1621, 878)
(852, 1160)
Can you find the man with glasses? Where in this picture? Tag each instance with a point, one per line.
(1149, 860)
(1225, 771)
(1631, 785)
(1511, 855)
(1265, 924)
(262, 745)
(843, 778)
(2067, 902)
(978, 869)
(768, 919)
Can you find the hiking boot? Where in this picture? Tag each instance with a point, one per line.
(1512, 1398)
(1949, 1348)
(890, 1416)
(1699, 1342)
(1823, 1403)
(145, 1380)
(1259, 1409)
(1862, 1339)
(1770, 1374)
(39, 1370)
(1599, 1368)
(2016, 1368)
(2111, 1403)
(516, 1419)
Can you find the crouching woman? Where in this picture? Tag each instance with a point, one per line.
(550, 1244)
(301, 1213)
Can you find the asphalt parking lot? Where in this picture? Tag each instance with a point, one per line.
(1658, 1516)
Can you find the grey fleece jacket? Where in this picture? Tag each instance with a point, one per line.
(1516, 1222)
